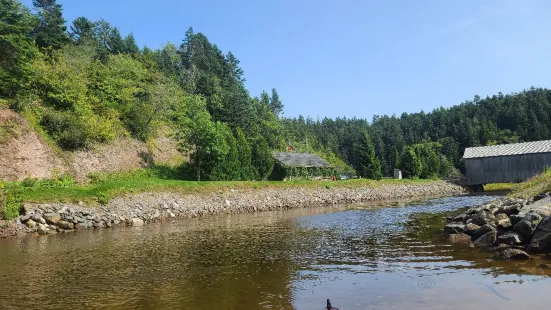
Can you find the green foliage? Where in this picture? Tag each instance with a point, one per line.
(17, 46)
(411, 164)
(262, 158)
(51, 30)
(365, 161)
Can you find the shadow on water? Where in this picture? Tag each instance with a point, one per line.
(379, 256)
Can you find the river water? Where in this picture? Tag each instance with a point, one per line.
(389, 256)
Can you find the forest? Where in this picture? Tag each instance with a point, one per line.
(82, 83)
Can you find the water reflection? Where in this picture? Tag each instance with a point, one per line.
(362, 257)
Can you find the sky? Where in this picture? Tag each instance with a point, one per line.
(355, 58)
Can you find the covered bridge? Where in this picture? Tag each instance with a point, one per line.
(506, 163)
(290, 165)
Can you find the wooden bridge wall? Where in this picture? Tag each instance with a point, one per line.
(502, 169)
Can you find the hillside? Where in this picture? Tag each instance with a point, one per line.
(25, 154)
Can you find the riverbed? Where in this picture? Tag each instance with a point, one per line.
(388, 255)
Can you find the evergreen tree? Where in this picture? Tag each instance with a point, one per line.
(365, 162)
(263, 160)
(129, 45)
(51, 30)
(275, 103)
(411, 164)
(16, 46)
(244, 155)
(82, 30)
(395, 160)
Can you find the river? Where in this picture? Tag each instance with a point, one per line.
(380, 256)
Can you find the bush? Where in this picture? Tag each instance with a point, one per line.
(10, 203)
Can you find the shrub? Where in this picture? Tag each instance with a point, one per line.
(10, 203)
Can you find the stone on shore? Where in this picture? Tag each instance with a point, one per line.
(52, 218)
(514, 254)
(454, 229)
(42, 230)
(511, 238)
(484, 229)
(137, 222)
(541, 240)
(528, 224)
(503, 221)
(470, 228)
(459, 238)
(486, 240)
(66, 225)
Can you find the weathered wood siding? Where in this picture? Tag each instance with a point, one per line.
(499, 169)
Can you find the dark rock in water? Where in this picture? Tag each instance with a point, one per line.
(528, 224)
(454, 229)
(541, 240)
(487, 240)
(540, 196)
(514, 254)
(81, 226)
(65, 225)
(484, 229)
(459, 238)
(460, 218)
(42, 230)
(471, 228)
(511, 238)
(52, 218)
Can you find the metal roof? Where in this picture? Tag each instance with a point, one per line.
(300, 160)
(508, 149)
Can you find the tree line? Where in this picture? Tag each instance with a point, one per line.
(88, 83)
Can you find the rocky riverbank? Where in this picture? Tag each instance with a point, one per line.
(511, 227)
(139, 209)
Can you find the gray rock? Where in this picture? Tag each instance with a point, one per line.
(108, 224)
(25, 218)
(515, 218)
(65, 225)
(52, 218)
(459, 238)
(137, 222)
(460, 218)
(81, 226)
(481, 218)
(37, 217)
(470, 228)
(541, 240)
(503, 221)
(42, 230)
(27, 208)
(514, 254)
(52, 227)
(454, 228)
(30, 223)
(528, 224)
(157, 214)
(484, 229)
(541, 207)
(487, 240)
(511, 238)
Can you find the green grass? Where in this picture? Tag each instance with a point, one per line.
(500, 187)
(107, 188)
(534, 186)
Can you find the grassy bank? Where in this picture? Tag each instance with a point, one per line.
(500, 187)
(534, 186)
(105, 187)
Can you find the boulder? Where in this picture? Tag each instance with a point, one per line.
(25, 218)
(37, 217)
(528, 224)
(541, 207)
(42, 230)
(137, 222)
(81, 226)
(471, 228)
(511, 238)
(512, 253)
(459, 238)
(480, 218)
(503, 221)
(66, 225)
(541, 239)
(30, 223)
(459, 218)
(484, 229)
(487, 240)
(512, 209)
(454, 229)
(52, 218)
(515, 218)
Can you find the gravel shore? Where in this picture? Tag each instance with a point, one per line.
(139, 209)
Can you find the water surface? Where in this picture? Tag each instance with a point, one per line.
(389, 256)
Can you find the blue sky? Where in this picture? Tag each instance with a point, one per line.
(356, 58)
